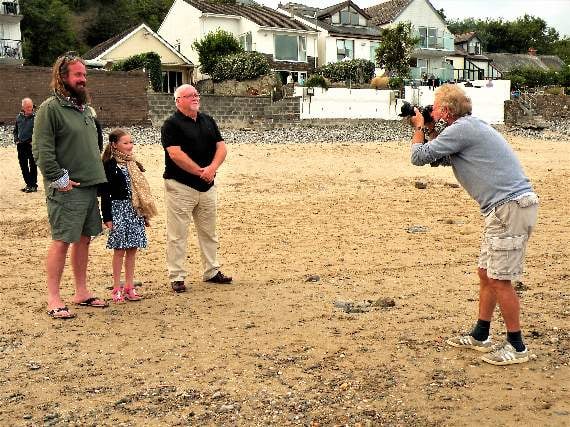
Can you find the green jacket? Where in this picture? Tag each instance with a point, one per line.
(66, 138)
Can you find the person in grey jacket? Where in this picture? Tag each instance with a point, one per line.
(23, 131)
(486, 166)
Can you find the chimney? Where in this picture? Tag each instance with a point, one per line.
(532, 51)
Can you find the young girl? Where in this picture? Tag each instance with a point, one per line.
(126, 205)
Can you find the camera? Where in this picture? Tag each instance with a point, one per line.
(407, 110)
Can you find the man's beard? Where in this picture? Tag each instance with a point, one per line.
(78, 93)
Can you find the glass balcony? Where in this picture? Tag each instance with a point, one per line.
(10, 49)
(444, 73)
(442, 41)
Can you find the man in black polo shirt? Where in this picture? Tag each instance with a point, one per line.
(193, 151)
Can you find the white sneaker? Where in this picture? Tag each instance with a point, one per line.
(506, 355)
(467, 341)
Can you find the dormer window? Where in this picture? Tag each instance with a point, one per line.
(348, 16)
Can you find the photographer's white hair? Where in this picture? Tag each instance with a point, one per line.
(454, 98)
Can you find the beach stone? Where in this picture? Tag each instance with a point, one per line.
(422, 185)
(417, 229)
(313, 278)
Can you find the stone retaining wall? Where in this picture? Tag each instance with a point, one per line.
(232, 111)
(119, 97)
(550, 107)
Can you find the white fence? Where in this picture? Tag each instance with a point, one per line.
(338, 103)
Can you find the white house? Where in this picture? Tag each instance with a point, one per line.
(176, 68)
(469, 61)
(10, 35)
(436, 41)
(345, 30)
(288, 44)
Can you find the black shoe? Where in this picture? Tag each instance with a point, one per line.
(220, 278)
(25, 189)
(30, 189)
(178, 286)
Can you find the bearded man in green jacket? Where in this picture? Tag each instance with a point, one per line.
(66, 151)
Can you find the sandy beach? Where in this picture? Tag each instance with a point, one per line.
(309, 232)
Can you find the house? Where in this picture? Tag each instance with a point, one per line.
(344, 30)
(10, 35)
(288, 44)
(436, 42)
(505, 62)
(176, 68)
(469, 62)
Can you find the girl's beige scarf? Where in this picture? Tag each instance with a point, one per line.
(143, 202)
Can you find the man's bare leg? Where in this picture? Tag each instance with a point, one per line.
(487, 296)
(55, 263)
(79, 259)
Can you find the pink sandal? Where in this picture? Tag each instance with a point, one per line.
(118, 295)
(131, 294)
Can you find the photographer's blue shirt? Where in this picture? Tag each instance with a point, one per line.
(482, 161)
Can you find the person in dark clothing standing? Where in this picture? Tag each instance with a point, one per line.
(194, 150)
(23, 138)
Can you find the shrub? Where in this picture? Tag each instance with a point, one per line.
(532, 77)
(149, 61)
(316, 80)
(214, 45)
(356, 70)
(396, 83)
(241, 66)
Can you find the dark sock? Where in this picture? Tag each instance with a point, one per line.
(515, 339)
(481, 330)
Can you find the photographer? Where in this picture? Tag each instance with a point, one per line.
(486, 166)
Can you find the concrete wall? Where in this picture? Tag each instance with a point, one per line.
(232, 111)
(118, 97)
(488, 103)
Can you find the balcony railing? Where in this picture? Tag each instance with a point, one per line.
(441, 42)
(10, 49)
(9, 8)
(442, 73)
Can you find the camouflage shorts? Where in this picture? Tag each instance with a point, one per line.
(507, 230)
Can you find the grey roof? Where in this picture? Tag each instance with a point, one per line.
(260, 15)
(387, 12)
(505, 62)
(459, 51)
(462, 38)
(97, 50)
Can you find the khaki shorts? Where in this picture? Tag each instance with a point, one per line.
(507, 230)
(74, 213)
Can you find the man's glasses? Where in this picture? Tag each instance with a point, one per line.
(195, 95)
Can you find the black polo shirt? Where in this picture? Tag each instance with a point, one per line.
(197, 139)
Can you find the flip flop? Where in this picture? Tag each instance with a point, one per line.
(61, 313)
(93, 302)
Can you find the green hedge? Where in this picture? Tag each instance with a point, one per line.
(356, 70)
(150, 61)
(532, 77)
(316, 80)
(240, 66)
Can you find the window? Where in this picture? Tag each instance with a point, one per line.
(373, 47)
(428, 37)
(349, 16)
(290, 48)
(344, 49)
(245, 41)
(171, 80)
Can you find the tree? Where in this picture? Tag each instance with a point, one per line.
(46, 31)
(214, 45)
(395, 49)
(512, 37)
